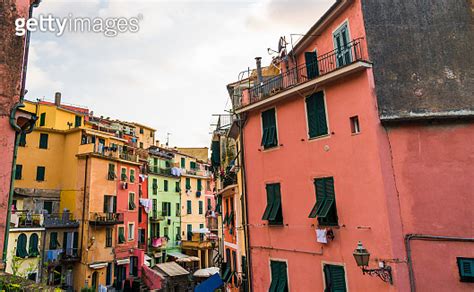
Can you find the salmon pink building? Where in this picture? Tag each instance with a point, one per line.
(357, 153)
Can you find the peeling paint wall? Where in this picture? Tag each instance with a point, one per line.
(422, 55)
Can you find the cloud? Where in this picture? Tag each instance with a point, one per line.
(172, 74)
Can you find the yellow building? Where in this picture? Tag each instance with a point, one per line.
(196, 197)
(146, 136)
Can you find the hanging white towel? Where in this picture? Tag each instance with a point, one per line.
(321, 236)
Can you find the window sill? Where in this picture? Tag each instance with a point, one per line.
(355, 134)
(322, 137)
(262, 149)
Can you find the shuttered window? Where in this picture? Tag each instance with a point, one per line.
(188, 183)
(111, 172)
(132, 175)
(42, 119)
(199, 184)
(43, 143)
(155, 186)
(192, 165)
(273, 211)
(177, 187)
(18, 171)
(77, 121)
(341, 45)
(33, 250)
(183, 162)
(316, 113)
(201, 208)
(53, 240)
(166, 208)
(121, 234)
(123, 175)
(311, 60)
(325, 207)
(108, 237)
(466, 269)
(21, 246)
(188, 207)
(335, 279)
(40, 172)
(165, 185)
(269, 127)
(279, 281)
(131, 201)
(216, 153)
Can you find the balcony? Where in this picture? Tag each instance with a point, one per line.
(105, 219)
(197, 244)
(60, 220)
(159, 170)
(329, 66)
(107, 152)
(156, 216)
(26, 219)
(70, 254)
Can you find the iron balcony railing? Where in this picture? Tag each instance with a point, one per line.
(302, 73)
(105, 219)
(26, 219)
(159, 170)
(60, 220)
(67, 254)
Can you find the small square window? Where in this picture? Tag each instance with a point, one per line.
(355, 127)
(466, 269)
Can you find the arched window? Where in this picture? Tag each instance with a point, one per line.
(21, 246)
(33, 246)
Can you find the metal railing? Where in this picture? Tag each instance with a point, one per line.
(302, 73)
(26, 219)
(104, 218)
(159, 170)
(58, 220)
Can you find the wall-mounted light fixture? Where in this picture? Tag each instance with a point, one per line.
(362, 256)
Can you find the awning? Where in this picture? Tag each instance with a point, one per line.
(97, 266)
(210, 284)
(122, 262)
(177, 254)
(207, 272)
(201, 230)
(188, 259)
(171, 269)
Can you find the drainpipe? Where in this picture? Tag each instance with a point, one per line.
(18, 133)
(84, 207)
(244, 190)
(425, 237)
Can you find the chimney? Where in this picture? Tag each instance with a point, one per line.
(259, 69)
(57, 98)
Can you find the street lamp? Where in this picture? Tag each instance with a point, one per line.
(362, 256)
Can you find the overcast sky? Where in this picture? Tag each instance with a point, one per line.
(172, 74)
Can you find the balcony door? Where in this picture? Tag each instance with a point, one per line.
(342, 46)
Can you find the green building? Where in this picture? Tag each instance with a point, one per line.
(164, 215)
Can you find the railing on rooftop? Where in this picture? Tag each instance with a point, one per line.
(105, 219)
(109, 152)
(302, 73)
(60, 220)
(26, 219)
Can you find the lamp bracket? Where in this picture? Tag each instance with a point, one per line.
(385, 273)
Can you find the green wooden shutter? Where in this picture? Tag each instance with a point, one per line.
(123, 176)
(75, 243)
(269, 137)
(466, 269)
(22, 139)
(321, 114)
(200, 207)
(77, 121)
(275, 214)
(188, 183)
(115, 203)
(165, 185)
(270, 199)
(43, 143)
(64, 241)
(283, 280)
(33, 246)
(18, 171)
(216, 153)
(335, 278)
(183, 162)
(105, 204)
(53, 240)
(40, 170)
(311, 59)
(199, 184)
(42, 119)
(316, 114)
(21, 246)
(188, 207)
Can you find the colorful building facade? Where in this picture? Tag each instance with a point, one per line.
(336, 152)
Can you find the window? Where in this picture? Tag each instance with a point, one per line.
(279, 276)
(33, 246)
(311, 61)
(155, 207)
(42, 119)
(18, 171)
(234, 266)
(165, 185)
(22, 139)
(77, 121)
(21, 246)
(192, 164)
(110, 204)
(208, 185)
(177, 187)
(342, 46)
(121, 234)
(209, 205)
(53, 241)
(123, 175)
(178, 210)
(189, 233)
(178, 233)
(325, 207)
(466, 269)
(188, 183)
(131, 201)
(355, 128)
(201, 208)
(269, 137)
(132, 175)
(199, 184)
(183, 162)
(154, 186)
(141, 145)
(166, 208)
(140, 215)
(141, 131)
(141, 235)
(227, 274)
(131, 231)
(40, 170)
(166, 232)
(316, 115)
(151, 134)
(48, 206)
(273, 211)
(334, 278)
(108, 277)
(108, 237)
(43, 143)
(133, 266)
(111, 173)
(188, 207)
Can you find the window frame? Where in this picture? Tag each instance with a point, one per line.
(109, 235)
(38, 177)
(189, 207)
(287, 272)
(331, 218)
(43, 141)
(18, 171)
(267, 215)
(337, 30)
(305, 104)
(132, 224)
(277, 145)
(342, 265)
